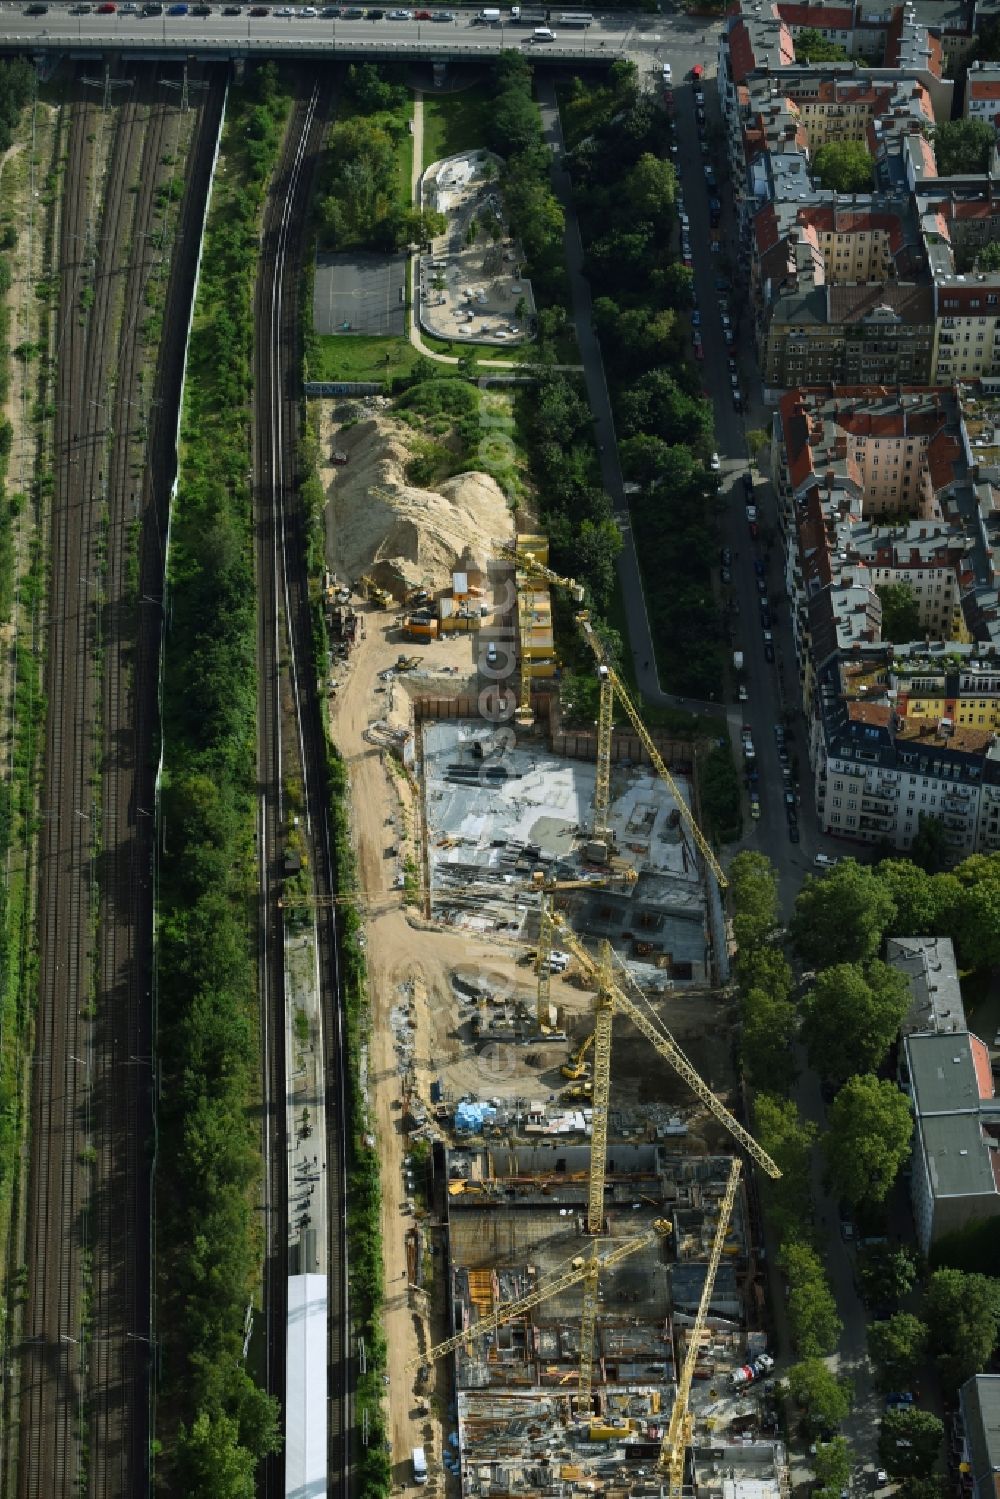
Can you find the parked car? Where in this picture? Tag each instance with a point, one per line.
(826, 861)
(715, 463)
(769, 653)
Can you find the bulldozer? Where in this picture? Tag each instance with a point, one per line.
(407, 663)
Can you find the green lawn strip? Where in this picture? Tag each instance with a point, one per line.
(453, 123)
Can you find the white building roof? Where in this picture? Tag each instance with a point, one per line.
(305, 1388)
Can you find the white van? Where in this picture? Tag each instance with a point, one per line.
(826, 861)
(419, 1465)
(543, 34)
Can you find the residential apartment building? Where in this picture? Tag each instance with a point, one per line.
(879, 488)
(978, 1436)
(955, 1180)
(982, 92)
(931, 972)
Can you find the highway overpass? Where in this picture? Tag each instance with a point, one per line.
(218, 36)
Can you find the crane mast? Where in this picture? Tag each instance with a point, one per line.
(677, 1437)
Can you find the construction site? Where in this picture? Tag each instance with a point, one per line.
(574, 1298)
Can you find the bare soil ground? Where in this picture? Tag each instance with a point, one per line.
(402, 947)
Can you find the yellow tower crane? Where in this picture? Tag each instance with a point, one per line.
(585, 1268)
(543, 953)
(677, 1437)
(612, 687)
(611, 998)
(530, 567)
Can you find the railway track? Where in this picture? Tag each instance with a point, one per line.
(84, 1386)
(291, 742)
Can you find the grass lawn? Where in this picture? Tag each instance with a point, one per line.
(453, 123)
(360, 356)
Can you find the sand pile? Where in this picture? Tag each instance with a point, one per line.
(379, 524)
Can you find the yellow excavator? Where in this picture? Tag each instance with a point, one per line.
(577, 1066)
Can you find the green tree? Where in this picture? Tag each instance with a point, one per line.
(888, 1274)
(832, 1466)
(963, 1315)
(843, 166)
(810, 46)
(925, 904)
(812, 1311)
(755, 899)
(900, 612)
(841, 918)
(651, 187)
(788, 1140)
(898, 1348)
(764, 967)
(988, 257)
(757, 440)
(817, 1390)
(962, 147)
(977, 923)
(929, 848)
(909, 1443)
(868, 1139)
(211, 1464)
(851, 1018)
(769, 1024)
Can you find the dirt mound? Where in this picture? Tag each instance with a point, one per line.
(379, 524)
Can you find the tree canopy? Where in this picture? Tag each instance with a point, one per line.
(812, 46)
(841, 918)
(843, 166)
(962, 147)
(962, 1313)
(788, 1140)
(900, 612)
(812, 1311)
(832, 1465)
(825, 1398)
(852, 1016)
(868, 1139)
(909, 1442)
(898, 1348)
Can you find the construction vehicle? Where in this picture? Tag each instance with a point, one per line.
(583, 1268)
(611, 997)
(677, 1437)
(577, 1066)
(407, 663)
(374, 593)
(581, 1092)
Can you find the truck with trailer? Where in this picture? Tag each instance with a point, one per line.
(487, 18)
(524, 17)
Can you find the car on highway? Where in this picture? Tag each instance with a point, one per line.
(307, 12)
(36, 10)
(197, 10)
(737, 401)
(285, 10)
(260, 10)
(108, 8)
(400, 15)
(446, 15)
(232, 10)
(152, 10)
(177, 10)
(668, 73)
(82, 10)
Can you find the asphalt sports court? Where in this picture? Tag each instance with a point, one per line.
(360, 293)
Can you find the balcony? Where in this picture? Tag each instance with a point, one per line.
(872, 824)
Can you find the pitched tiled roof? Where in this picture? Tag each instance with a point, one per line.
(912, 303)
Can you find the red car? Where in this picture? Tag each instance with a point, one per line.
(422, 15)
(107, 9)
